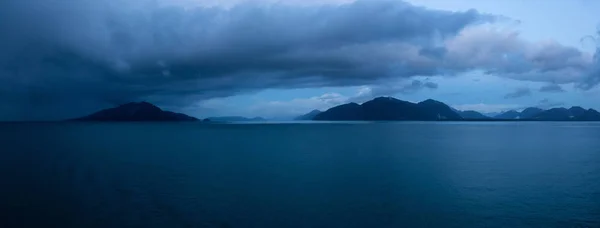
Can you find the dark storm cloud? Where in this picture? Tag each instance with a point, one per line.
(58, 53)
(60, 58)
(552, 88)
(519, 92)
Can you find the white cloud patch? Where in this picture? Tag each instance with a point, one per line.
(502, 52)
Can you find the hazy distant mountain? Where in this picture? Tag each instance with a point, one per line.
(388, 108)
(574, 113)
(473, 115)
(556, 114)
(308, 116)
(527, 113)
(509, 115)
(491, 114)
(136, 111)
(234, 119)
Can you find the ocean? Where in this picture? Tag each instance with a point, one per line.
(394, 174)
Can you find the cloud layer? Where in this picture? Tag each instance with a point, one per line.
(64, 58)
(519, 92)
(552, 88)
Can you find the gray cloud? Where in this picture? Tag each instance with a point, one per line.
(519, 92)
(552, 88)
(593, 77)
(548, 104)
(413, 87)
(504, 54)
(65, 58)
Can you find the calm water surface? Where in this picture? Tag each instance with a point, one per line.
(300, 175)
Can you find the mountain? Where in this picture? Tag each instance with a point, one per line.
(574, 114)
(473, 115)
(589, 115)
(345, 112)
(529, 113)
(234, 119)
(389, 109)
(555, 114)
(577, 111)
(392, 109)
(442, 110)
(308, 116)
(136, 111)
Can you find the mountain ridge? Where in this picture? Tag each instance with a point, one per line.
(392, 109)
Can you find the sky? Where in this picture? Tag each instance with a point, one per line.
(279, 59)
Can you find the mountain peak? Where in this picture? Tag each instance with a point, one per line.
(431, 101)
(382, 99)
(314, 111)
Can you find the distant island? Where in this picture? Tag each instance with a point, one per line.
(235, 119)
(135, 111)
(392, 109)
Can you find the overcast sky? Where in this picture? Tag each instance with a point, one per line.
(62, 58)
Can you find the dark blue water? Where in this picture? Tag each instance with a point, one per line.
(300, 175)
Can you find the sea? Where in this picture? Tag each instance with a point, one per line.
(346, 174)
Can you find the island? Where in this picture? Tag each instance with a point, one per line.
(135, 111)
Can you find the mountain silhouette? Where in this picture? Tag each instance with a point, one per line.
(136, 111)
(390, 109)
